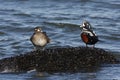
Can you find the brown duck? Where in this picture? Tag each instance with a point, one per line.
(39, 38)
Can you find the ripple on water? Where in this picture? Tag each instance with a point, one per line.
(2, 33)
(62, 25)
(21, 14)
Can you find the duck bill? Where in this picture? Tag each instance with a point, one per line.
(81, 27)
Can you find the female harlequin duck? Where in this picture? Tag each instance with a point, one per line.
(88, 35)
(39, 38)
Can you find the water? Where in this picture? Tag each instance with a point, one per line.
(61, 20)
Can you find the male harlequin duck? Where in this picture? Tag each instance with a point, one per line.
(88, 35)
(39, 38)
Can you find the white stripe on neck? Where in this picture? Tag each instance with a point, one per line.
(89, 32)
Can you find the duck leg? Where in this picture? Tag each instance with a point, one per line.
(86, 45)
(93, 46)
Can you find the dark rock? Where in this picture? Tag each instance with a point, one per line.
(72, 59)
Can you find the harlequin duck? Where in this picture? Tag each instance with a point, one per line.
(88, 35)
(39, 38)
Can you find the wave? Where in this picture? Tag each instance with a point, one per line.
(6, 9)
(2, 33)
(22, 14)
(61, 24)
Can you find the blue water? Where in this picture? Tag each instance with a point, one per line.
(61, 20)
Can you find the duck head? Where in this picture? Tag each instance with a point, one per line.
(85, 25)
(37, 29)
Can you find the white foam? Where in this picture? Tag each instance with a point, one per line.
(30, 71)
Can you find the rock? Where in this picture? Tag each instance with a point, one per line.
(71, 59)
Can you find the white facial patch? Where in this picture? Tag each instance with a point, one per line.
(83, 25)
(38, 30)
